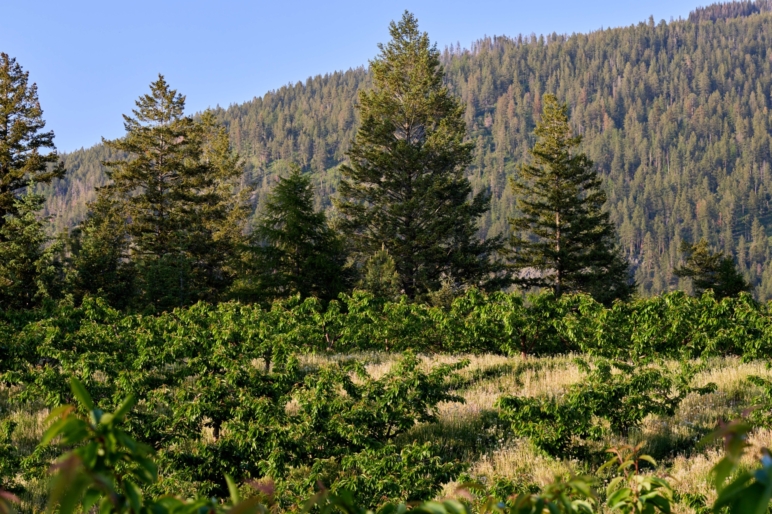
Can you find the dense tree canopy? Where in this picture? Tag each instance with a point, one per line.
(174, 188)
(294, 251)
(710, 270)
(29, 272)
(675, 115)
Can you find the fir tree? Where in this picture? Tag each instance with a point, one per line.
(405, 187)
(379, 276)
(176, 191)
(26, 153)
(711, 270)
(563, 239)
(99, 262)
(29, 272)
(294, 250)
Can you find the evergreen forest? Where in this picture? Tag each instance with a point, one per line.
(528, 277)
(675, 115)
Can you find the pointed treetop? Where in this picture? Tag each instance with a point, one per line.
(160, 107)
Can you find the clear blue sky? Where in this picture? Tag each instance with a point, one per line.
(92, 59)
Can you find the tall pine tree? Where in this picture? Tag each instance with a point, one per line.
(175, 190)
(404, 189)
(563, 239)
(294, 250)
(26, 153)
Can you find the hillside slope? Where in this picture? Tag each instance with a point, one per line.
(676, 116)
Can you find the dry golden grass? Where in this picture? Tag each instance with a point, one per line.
(516, 459)
(29, 428)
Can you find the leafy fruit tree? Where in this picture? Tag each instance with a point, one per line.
(175, 190)
(28, 269)
(404, 188)
(21, 141)
(562, 239)
(711, 270)
(294, 249)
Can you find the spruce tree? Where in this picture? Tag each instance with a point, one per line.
(294, 249)
(404, 188)
(711, 270)
(563, 239)
(26, 153)
(99, 262)
(379, 276)
(29, 272)
(175, 190)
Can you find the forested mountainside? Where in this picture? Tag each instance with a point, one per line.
(675, 115)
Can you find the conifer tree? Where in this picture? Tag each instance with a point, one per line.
(294, 249)
(563, 239)
(99, 248)
(175, 191)
(379, 276)
(404, 188)
(711, 270)
(26, 153)
(28, 269)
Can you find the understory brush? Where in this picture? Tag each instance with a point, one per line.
(503, 391)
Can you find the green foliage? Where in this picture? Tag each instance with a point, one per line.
(10, 459)
(411, 474)
(29, 272)
(379, 276)
(711, 270)
(675, 115)
(294, 251)
(220, 391)
(99, 261)
(746, 491)
(614, 396)
(632, 492)
(175, 191)
(26, 154)
(404, 189)
(108, 467)
(563, 239)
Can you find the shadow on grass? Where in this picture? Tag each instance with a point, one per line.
(461, 383)
(463, 437)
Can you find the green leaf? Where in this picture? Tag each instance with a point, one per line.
(248, 506)
(60, 411)
(53, 431)
(80, 393)
(613, 484)
(124, 408)
(232, 489)
(134, 495)
(619, 497)
(89, 499)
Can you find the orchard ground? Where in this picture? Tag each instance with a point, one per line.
(470, 432)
